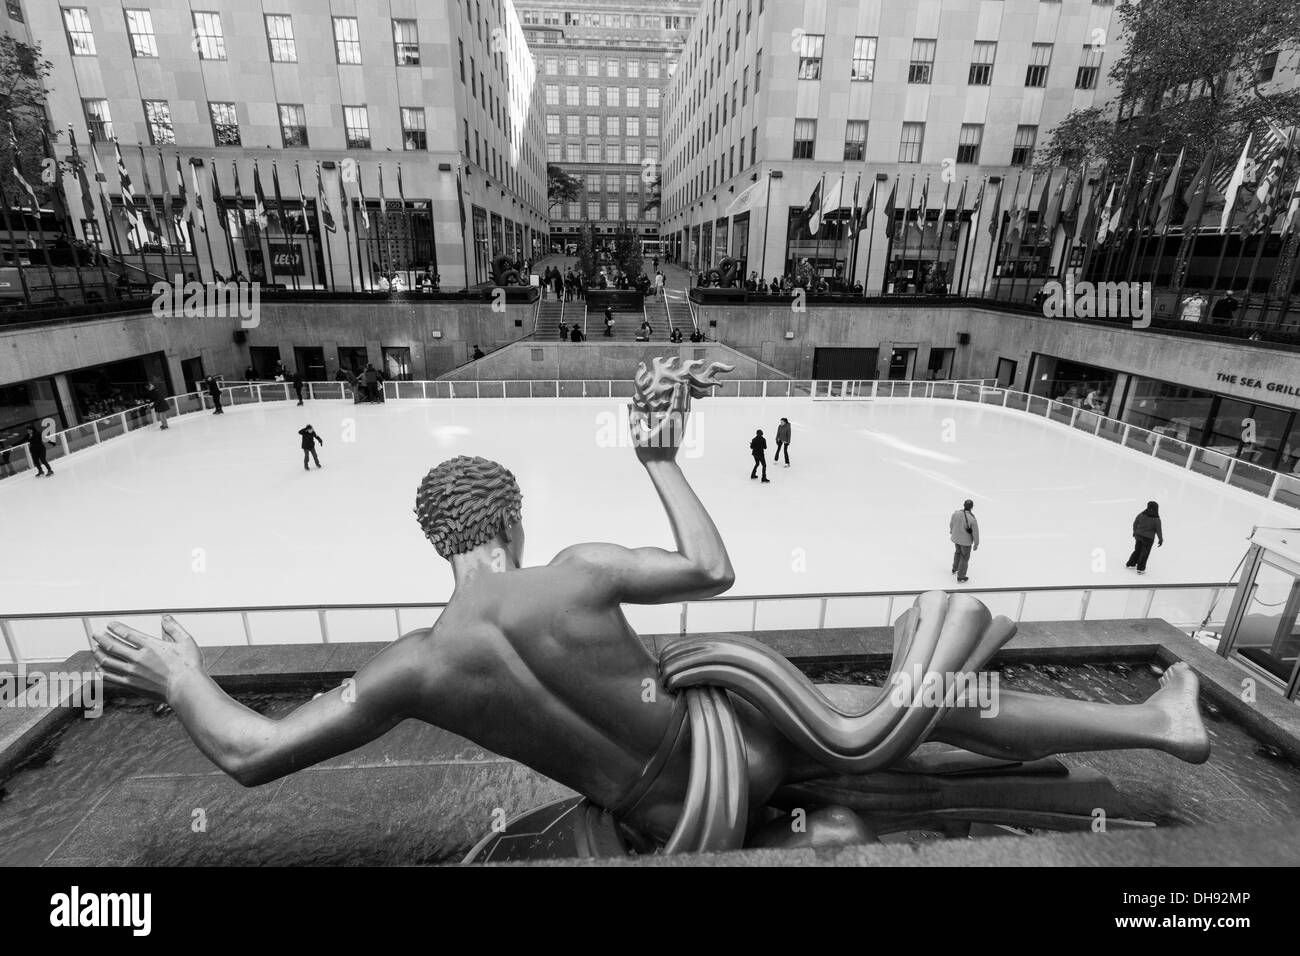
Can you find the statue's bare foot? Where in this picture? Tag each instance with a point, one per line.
(1177, 700)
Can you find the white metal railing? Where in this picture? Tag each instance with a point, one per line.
(29, 638)
(1207, 462)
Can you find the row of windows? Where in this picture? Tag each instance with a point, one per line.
(614, 125)
(911, 142)
(627, 21)
(631, 153)
(574, 211)
(920, 67)
(573, 96)
(225, 124)
(209, 39)
(632, 69)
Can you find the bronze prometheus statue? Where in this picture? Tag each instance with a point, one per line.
(696, 750)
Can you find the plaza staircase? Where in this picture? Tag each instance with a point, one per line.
(549, 317)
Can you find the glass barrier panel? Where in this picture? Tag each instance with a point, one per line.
(240, 395)
(595, 388)
(569, 389)
(362, 625)
(788, 615)
(546, 388)
(991, 396)
(647, 619)
(884, 389)
(1251, 478)
(729, 389)
(410, 389)
(79, 437)
(492, 390)
(1038, 405)
(415, 618)
(778, 388)
(1181, 606)
(208, 628)
(284, 627)
(110, 428)
(437, 389)
(1001, 602)
(1058, 412)
(1173, 451)
(1117, 604)
(864, 611)
(15, 459)
(751, 389)
(800, 388)
(1212, 463)
(1288, 490)
(623, 388)
(1111, 430)
(1267, 634)
(1087, 422)
(52, 452)
(518, 389)
(1018, 400)
(468, 389)
(328, 390)
(53, 639)
(704, 616)
(1051, 606)
(1139, 439)
(188, 403)
(272, 393)
(139, 418)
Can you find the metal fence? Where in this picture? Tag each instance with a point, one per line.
(31, 638)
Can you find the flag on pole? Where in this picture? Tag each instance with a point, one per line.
(102, 180)
(1125, 193)
(748, 198)
(834, 200)
(1166, 203)
(87, 204)
(891, 211)
(128, 190)
(1198, 190)
(1020, 211)
(361, 201)
(218, 203)
(1068, 214)
(1235, 182)
(979, 204)
(960, 209)
(260, 215)
(1261, 207)
(286, 224)
(460, 200)
(1045, 232)
(1293, 209)
(18, 174)
(326, 215)
(995, 216)
(145, 205)
(61, 210)
(921, 210)
(854, 211)
(943, 212)
(1107, 213)
(867, 206)
(812, 213)
(194, 199)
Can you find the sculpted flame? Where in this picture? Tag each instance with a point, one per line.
(656, 386)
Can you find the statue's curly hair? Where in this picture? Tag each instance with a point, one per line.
(465, 502)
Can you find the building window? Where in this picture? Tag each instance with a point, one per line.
(460, 45)
(652, 98)
(572, 153)
(634, 126)
(593, 125)
(225, 124)
(633, 69)
(611, 153)
(753, 147)
(279, 38)
(593, 66)
(611, 126)
(552, 94)
(631, 153)
(981, 62)
(634, 97)
(810, 56)
(652, 126)
(139, 24)
(571, 94)
(593, 96)
(652, 69)
(158, 117)
(406, 43)
(611, 68)
(909, 145)
(551, 66)
(921, 67)
(611, 96)
(1040, 59)
(968, 144)
(575, 210)
(805, 138)
(593, 209)
(347, 40)
(1022, 150)
(864, 59)
(293, 125)
(209, 36)
(855, 140)
(593, 152)
(99, 122)
(629, 184)
(552, 124)
(1267, 67)
(413, 132)
(356, 127)
(81, 39)
(1089, 68)
(571, 66)
(552, 152)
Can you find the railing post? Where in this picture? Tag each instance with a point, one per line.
(1191, 457)
(682, 626)
(1151, 597)
(1083, 604)
(821, 618)
(1020, 606)
(1074, 416)
(1096, 429)
(1124, 439)
(765, 388)
(1272, 491)
(874, 383)
(10, 644)
(63, 440)
(1006, 396)
(1155, 446)
(95, 426)
(90, 634)
(753, 617)
(324, 625)
(248, 630)
(397, 619)
(889, 611)
(1232, 466)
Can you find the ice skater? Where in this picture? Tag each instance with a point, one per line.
(965, 533)
(782, 442)
(214, 391)
(156, 398)
(309, 440)
(757, 448)
(298, 383)
(36, 445)
(1146, 531)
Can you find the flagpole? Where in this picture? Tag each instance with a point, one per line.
(907, 232)
(767, 218)
(1142, 241)
(1266, 225)
(207, 233)
(224, 219)
(13, 244)
(853, 239)
(62, 201)
(40, 230)
(1015, 203)
(410, 231)
(88, 209)
(1183, 260)
(817, 256)
(104, 206)
(1111, 243)
(260, 213)
(147, 202)
(170, 212)
(320, 223)
(943, 222)
(345, 207)
(286, 227)
(995, 236)
(871, 237)
(959, 286)
(306, 226)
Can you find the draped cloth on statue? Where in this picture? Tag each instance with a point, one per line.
(941, 634)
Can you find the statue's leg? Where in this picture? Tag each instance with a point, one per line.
(1030, 726)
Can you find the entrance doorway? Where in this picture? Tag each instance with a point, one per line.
(192, 370)
(1006, 373)
(309, 363)
(834, 363)
(902, 364)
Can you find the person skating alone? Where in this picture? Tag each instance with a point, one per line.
(782, 442)
(161, 407)
(965, 533)
(757, 448)
(609, 322)
(1147, 530)
(297, 384)
(309, 440)
(214, 392)
(36, 446)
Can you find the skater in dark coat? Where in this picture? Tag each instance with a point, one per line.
(758, 448)
(1147, 530)
(297, 384)
(36, 446)
(309, 440)
(782, 442)
(214, 390)
(161, 407)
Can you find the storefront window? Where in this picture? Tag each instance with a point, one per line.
(29, 403)
(1071, 382)
(1169, 409)
(397, 363)
(1253, 433)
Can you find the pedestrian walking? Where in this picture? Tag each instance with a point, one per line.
(478, 353)
(964, 531)
(782, 442)
(1147, 530)
(36, 446)
(758, 448)
(160, 404)
(309, 440)
(609, 322)
(297, 384)
(214, 392)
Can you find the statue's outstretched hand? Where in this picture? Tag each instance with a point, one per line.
(656, 436)
(144, 663)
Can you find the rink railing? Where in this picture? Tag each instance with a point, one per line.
(1218, 465)
(33, 638)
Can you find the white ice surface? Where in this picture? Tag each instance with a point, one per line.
(218, 512)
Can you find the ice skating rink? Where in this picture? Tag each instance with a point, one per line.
(218, 512)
